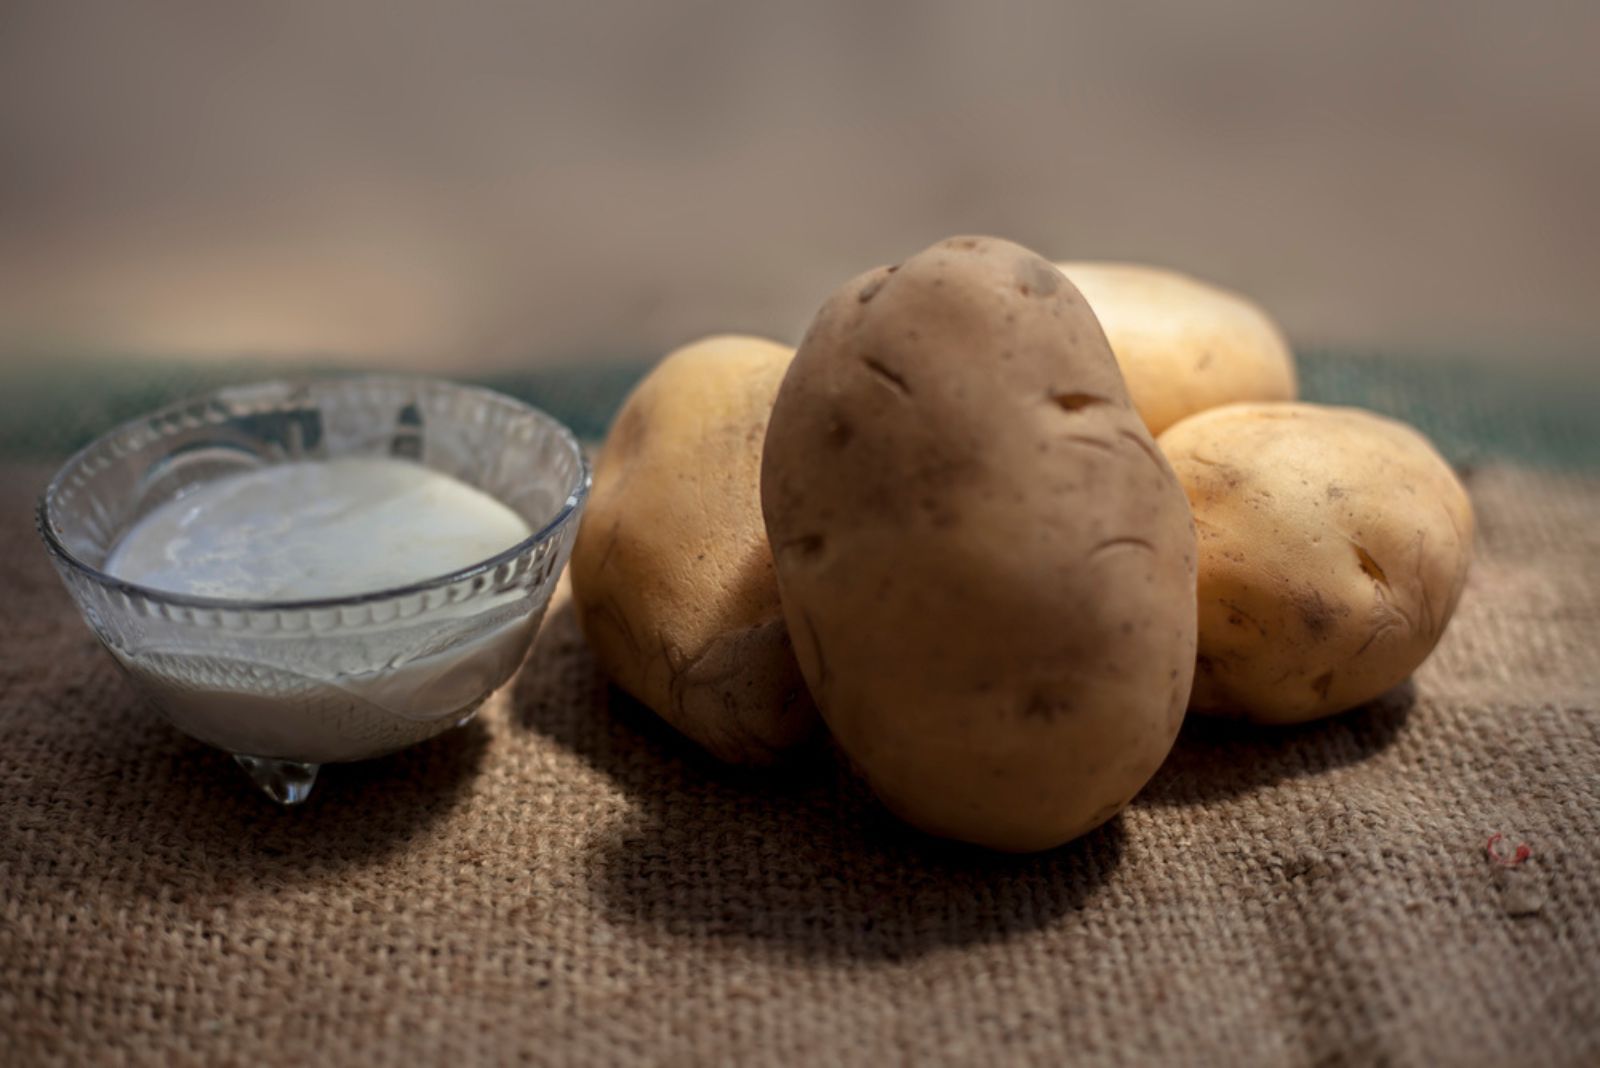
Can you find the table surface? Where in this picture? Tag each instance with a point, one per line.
(567, 881)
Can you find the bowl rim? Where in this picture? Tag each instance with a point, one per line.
(577, 494)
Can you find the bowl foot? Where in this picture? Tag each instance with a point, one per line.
(287, 782)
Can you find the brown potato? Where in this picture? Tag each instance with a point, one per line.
(671, 574)
(1184, 345)
(1334, 545)
(986, 564)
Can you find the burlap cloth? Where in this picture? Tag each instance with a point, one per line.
(565, 881)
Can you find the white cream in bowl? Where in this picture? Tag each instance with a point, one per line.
(315, 530)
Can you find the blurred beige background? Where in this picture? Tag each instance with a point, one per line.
(497, 183)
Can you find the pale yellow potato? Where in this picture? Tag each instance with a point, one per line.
(1184, 345)
(986, 564)
(1334, 545)
(671, 574)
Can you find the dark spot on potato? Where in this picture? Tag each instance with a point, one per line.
(806, 545)
(1371, 567)
(1045, 706)
(870, 290)
(883, 374)
(840, 432)
(1205, 360)
(966, 244)
(1321, 684)
(1075, 401)
(1238, 617)
(1315, 612)
(940, 514)
(1335, 491)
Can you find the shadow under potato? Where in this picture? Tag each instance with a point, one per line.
(802, 858)
(1215, 759)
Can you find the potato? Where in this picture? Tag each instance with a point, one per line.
(671, 574)
(1183, 345)
(986, 564)
(1333, 548)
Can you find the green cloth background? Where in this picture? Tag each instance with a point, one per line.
(1474, 409)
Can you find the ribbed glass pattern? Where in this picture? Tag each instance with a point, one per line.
(338, 679)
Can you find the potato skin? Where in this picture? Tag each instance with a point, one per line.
(1184, 345)
(1334, 545)
(671, 574)
(986, 564)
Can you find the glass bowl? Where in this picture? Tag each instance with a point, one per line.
(289, 686)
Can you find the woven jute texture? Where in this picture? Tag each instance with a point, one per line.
(564, 881)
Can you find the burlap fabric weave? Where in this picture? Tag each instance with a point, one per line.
(566, 882)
